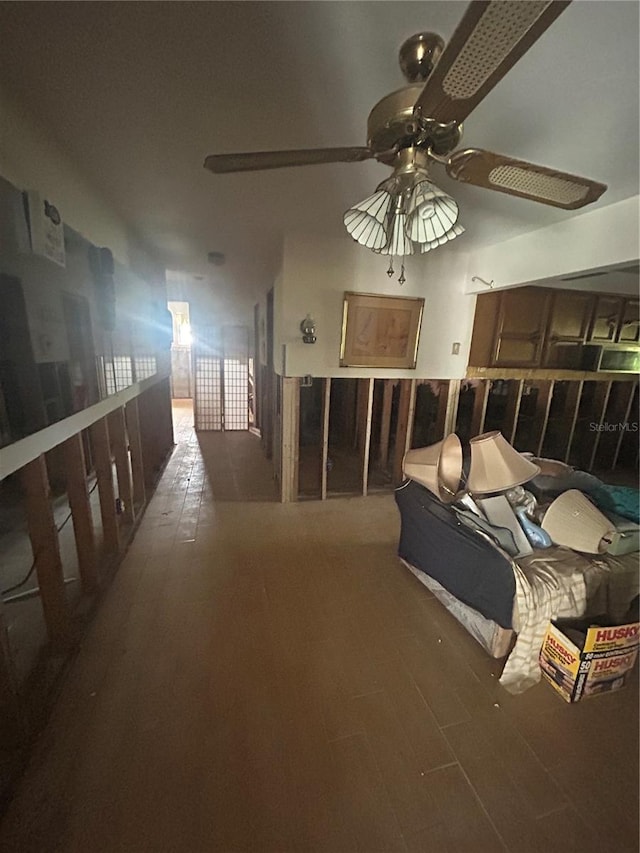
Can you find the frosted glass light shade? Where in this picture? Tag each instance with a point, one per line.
(431, 213)
(366, 221)
(399, 244)
(573, 521)
(405, 215)
(454, 232)
(438, 467)
(496, 466)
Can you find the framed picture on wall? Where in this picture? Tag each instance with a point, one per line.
(380, 331)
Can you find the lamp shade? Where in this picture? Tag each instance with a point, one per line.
(454, 232)
(431, 213)
(496, 465)
(573, 521)
(438, 467)
(366, 221)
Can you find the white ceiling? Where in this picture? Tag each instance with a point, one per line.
(140, 92)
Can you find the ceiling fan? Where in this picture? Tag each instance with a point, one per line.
(422, 122)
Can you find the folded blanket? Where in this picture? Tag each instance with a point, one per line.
(548, 587)
(621, 500)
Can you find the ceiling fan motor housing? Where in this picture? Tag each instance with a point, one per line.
(392, 125)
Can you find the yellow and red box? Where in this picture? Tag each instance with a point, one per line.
(601, 665)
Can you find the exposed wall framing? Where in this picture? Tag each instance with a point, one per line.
(130, 432)
(587, 422)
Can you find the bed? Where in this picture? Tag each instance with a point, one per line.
(506, 604)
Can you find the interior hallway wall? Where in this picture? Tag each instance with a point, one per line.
(315, 274)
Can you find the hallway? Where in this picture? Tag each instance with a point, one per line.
(268, 677)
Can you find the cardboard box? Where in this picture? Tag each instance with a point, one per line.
(599, 664)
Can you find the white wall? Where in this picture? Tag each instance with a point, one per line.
(591, 240)
(316, 273)
(31, 160)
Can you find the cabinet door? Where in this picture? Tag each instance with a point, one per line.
(605, 319)
(629, 325)
(523, 315)
(567, 328)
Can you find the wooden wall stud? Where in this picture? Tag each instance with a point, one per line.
(404, 429)
(102, 460)
(135, 447)
(480, 400)
(367, 434)
(46, 551)
(324, 455)
(514, 398)
(120, 449)
(78, 495)
(385, 423)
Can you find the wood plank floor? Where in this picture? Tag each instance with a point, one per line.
(267, 677)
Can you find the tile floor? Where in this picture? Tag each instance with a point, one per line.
(267, 677)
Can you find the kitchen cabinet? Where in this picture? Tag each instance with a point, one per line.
(537, 327)
(509, 328)
(569, 321)
(606, 319)
(629, 328)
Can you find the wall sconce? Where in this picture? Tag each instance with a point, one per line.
(308, 329)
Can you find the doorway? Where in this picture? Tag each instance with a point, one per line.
(181, 376)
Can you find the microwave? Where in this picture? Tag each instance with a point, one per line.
(610, 358)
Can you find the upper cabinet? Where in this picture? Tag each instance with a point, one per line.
(569, 321)
(531, 327)
(522, 319)
(606, 319)
(509, 328)
(629, 328)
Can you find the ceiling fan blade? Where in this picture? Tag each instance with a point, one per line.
(255, 160)
(517, 177)
(489, 40)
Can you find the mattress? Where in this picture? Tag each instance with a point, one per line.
(467, 565)
(494, 639)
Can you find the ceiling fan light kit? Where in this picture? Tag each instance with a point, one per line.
(421, 123)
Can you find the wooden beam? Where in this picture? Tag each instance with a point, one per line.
(616, 415)
(537, 373)
(451, 407)
(78, 495)
(627, 415)
(46, 552)
(600, 403)
(571, 409)
(413, 387)
(480, 400)
(361, 415)
(541, 417)
(290, 441)
(385, 423)
(120, 449)
(135, 448)
(102, 461)
(324, 453)
(404, 428)
(367, 436)
(514, 398)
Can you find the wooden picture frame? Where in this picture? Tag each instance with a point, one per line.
(380, 331)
